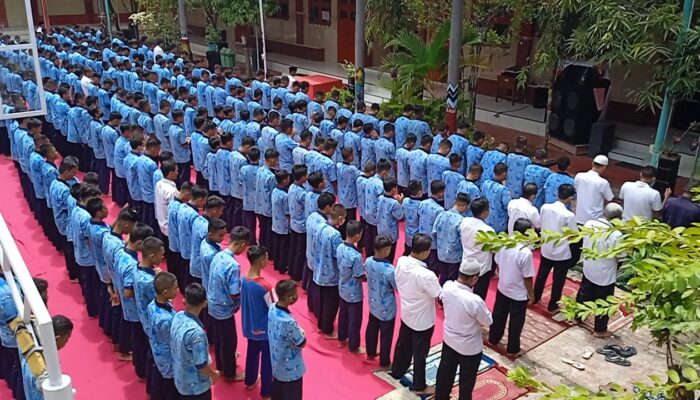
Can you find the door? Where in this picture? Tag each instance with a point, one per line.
(346, 31)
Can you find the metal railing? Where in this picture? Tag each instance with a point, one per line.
(34, 314)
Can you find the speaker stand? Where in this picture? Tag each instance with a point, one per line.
(575, 149)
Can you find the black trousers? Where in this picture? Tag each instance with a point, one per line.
(89, 285)
(183, 173)
(265, 237)
(225, 345)
(415, 345)
(140, 349)
(432, 262)
(448, 271)
(382, 332)
(227, 215)
(558, 280)
(350, 323)
(161, 388)
(369, 233)
(4, 141)
(236, 211)
(297, 255)
(200, 180)
(99, 165)
(281, 252)
(120, 191)
(117, 322)
(126, 337)
(148, 215)
(105, 309)
(504, 309)
(85, 162)
(329, 301)
(250, 222)
(481, 288)
(204, 396)
(69, 256)
(589, 291)
(468, 368)
(287, 390)
(312, 293)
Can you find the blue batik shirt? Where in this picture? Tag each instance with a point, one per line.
(126, 263)
(402, 167)
(249, 176)
(352, 140)
(351, 271)
(402, 126)
(178, 138)
(265, 182)
(144, 292)
(551, 185)
(538, 175)
(80, 236)
(311, 203)
(449, 241)
(411, 221)
(186, 216)
(516, 163)
(190, 352)
(132, 175)
(236, 162)
(208, 251)
(314, 225)
(385, 149)
(36, 168)
(460, 144)
(326, 268)
(452, 179)
(8, 312)
(173, 232)
(296, 201)
(380, 288)
(361, 184)
(327, 167)
(285, 146)
(389, 213)
(474, 155)
(418, 168)
(160, 318)
(161, 125)
(146, 167)
(112, 243)
(490, 159)
(280, 211)
(224, 285)
(98, 230)
(368, 151)
(95, 139)
(436, 164)
(373, 189)
(499, 197)
(347, 184)
(428, 211)
(200, 228)
(286, 339)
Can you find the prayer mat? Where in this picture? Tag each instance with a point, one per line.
(537, 330)
(492, 385)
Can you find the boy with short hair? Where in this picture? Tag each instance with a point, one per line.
(438, 163)
(410, 207)
(326, 271)
(223, 298)
(351, 274)
(211, 246)
(347, 186)
(280, 222)
(249, 173)
(213, 208)
(97, 230)
(186, 215)
(296, 201)
(160, 318)
(373, 191)
(452, 179)
(428, 211)
(381, 286)
(418, 163)
(390, 213)
(402, 168)
(264, 185)
(447, 235)
(176, 264)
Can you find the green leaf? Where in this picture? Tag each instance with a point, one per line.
(690, 374)
(673, 375)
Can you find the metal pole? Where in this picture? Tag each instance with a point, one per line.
(108, 15)
(360, 50)
(262, 30)
(45, 14)
(665, 117)
(184, 37)
(455, 58)
(257, 50)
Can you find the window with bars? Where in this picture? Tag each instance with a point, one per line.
(320, 12)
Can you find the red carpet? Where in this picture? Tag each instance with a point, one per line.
(88, 357)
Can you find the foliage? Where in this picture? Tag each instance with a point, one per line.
(624, 33)
(384, 18)
(664, 297)
(155, 19)
(344, 94)
(434, 108)
(231, 12)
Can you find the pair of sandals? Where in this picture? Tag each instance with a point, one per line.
(616, 354)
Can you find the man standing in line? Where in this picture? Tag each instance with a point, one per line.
(593, 191)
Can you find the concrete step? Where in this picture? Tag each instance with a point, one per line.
(631, 157)
(627, 145)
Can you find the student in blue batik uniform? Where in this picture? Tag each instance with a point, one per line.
(389, 213)
(222, 162)
(474, 151)
(417, 126)
(161, 124)
(210, 247)
(556, 179)
(196, 143)
(99, 162)
(238, 160)
(284, 144)
(269, 132)
(248, 179)
(264, 185)
(8, 343)
(160, 311)
(410, 206)
(460, 143)
(79, 235)
(280, 223)
(353, 139)
(351, 275)
(327, 167)
(347, 186)
(403, 154)
(213, 208)
(192, 369)
(418, 163)
(97, 230)
(447, 235)
(146, 167)
(373, 189)
(428, 211)
(368, 144)
(126, 266)
(256, 298)
(186, 216)
(382, 303)
(296, 201)
(517, 162)
(438, 163)
(403, 125)
(469, 185)
(222, 296)
(491, 158)
(286, 341)
(452, 178)
(384, 147)
(538, 173)
(315, 223)
(180, 144)
(326, 271)
(131, 174)
(499, 197)
(177, 265)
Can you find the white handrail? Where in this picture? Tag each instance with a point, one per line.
(57, 386)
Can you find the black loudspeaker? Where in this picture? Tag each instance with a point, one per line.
(574, 107)
(541, 94)
(213, 58)
(602, 137)
(667, 173)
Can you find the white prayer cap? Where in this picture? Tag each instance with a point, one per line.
(470, 266)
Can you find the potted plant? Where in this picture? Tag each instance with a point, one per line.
(349, 72)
